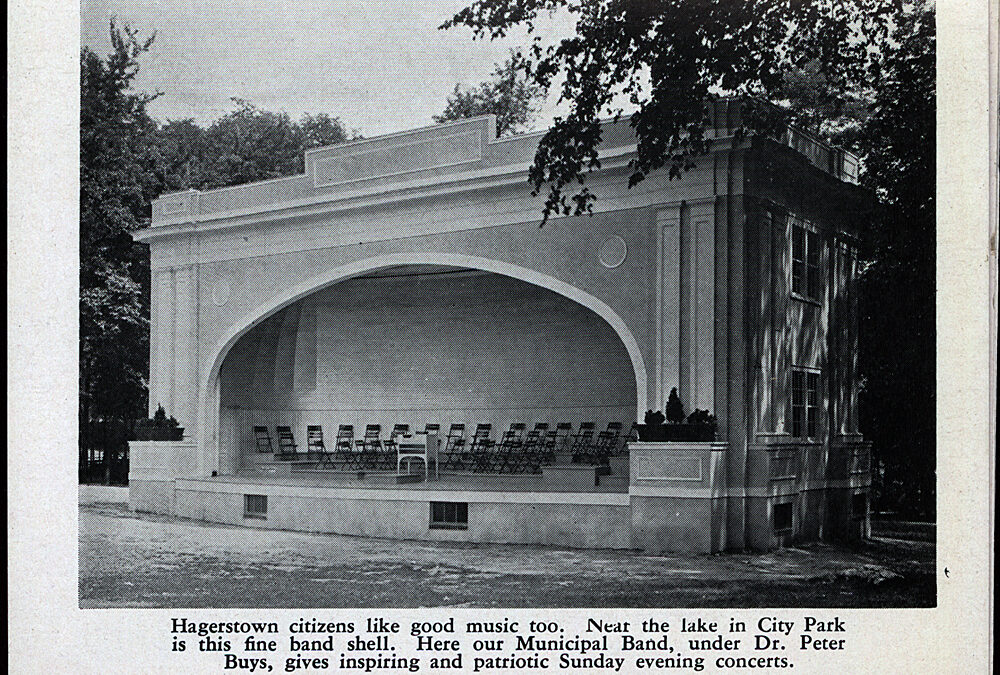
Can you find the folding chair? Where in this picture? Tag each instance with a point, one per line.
(454, 447)
(263, 440)
(563, 432)
(547, 447)
(603, 448)
(505, 457)
(532, 453)
(616, 431)
(314, 444)
(286, 442)
(480, 447)
(369, 448)
(580, 446)
(344, 447)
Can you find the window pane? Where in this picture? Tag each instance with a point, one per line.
(798, 276)
(797, 388)
(813, 249)
(798, 243)
(782, 517)
(814, 283)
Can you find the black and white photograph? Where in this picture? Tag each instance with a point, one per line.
(444, 306)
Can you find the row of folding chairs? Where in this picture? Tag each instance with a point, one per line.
(370, 452)
(517, 451)
(523, 451)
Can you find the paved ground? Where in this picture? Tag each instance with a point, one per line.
(135, 560)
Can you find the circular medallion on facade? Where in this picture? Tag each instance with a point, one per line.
(613, 251)
(221, 292)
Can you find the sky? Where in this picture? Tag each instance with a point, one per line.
(380, 67)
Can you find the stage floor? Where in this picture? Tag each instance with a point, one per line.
(464, 482)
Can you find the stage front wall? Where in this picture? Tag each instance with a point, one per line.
(440, 346)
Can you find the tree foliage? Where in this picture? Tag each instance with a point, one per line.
(827, 110)
(245, 145)
(115, 188)
(897, 359)
(667, 58)
(509, 95)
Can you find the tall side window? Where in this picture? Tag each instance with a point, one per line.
(807, 280)
(805, 404)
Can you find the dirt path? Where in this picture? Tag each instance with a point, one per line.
(132, 560)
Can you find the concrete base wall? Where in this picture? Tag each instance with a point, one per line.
(406, 515)
(153, 466)
(102, 494)
(151, 496)
(678, 524)
(677, 502)
(817, 515)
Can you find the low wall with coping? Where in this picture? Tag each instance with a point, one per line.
(153, 466)
(678, 496)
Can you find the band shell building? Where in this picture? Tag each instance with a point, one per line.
(404, 281)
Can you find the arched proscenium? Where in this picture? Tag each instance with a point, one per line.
(208, 402)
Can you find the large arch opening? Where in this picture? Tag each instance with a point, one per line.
(419, 343)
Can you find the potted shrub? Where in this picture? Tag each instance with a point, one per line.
(672, 425)
(701, 426)
(159, 428)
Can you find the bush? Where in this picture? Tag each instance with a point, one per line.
(159, 427)
(701, 417)
(159, 420)
(674, 408)
(654, 419)
(700, 424)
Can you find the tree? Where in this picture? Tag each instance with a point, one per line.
(509, 95)
(322, 129)
(180, 155)
(667, 58)
(830, 111)
(126, 160)
(250, 145)
(897, 357)
(245, 145)
(674, 410)
(115, 189)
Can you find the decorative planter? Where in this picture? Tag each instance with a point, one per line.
(675, 433)
(159, 433)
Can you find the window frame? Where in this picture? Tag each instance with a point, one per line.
(805, 414)
(255, 501)
(806, 246)
(785, 529)
(449, 516)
